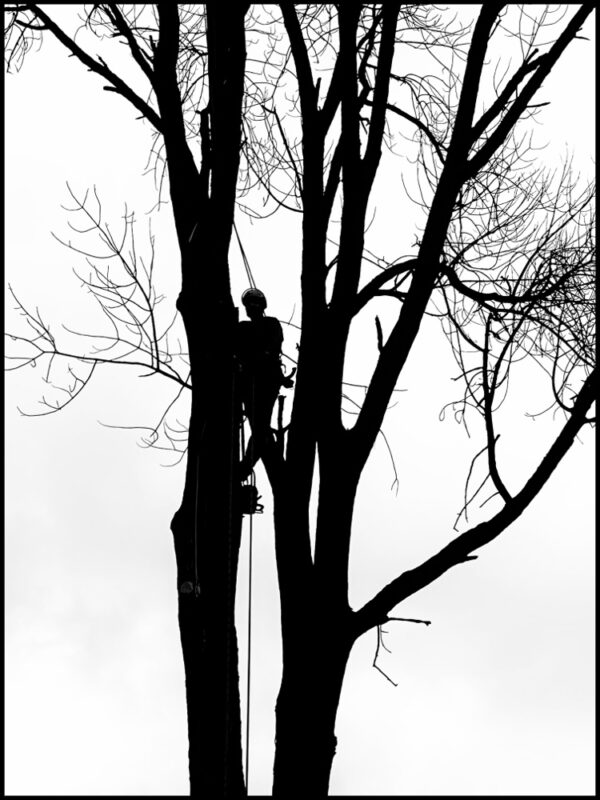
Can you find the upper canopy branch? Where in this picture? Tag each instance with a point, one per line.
(527, 296)
(543, 66)
(399, 343)
(470, 88)
(141, 58)
(381, 89)
(500, 103)
(306, 86)
(99, 67)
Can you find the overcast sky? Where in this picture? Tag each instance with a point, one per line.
(495, 697)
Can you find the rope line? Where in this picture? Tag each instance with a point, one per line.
(196, 588)
(249, 649)
(230, 594)
(252, 478)
(244, 258)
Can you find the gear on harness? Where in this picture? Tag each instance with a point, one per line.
(249, 498)
(286, 380)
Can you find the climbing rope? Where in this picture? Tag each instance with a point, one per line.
(252, 509)
(230, 587)
(244, 258)
(252, 479)
(249, 647)
(252, 483)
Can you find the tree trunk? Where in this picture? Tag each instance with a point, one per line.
(207, 526)
(313, 674)
(207, 530)
(317, 632)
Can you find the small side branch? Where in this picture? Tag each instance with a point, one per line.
(420, 125)
(489, 389)
(382, 646)
(409, 619)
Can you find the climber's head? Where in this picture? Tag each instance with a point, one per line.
(254, 302)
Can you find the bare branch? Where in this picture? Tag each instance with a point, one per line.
(544, 65)
(117, 84)
(142, 59)
(459, 550)
(420, 125)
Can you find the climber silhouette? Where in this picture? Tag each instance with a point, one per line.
(259, 355)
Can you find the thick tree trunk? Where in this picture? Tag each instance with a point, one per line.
(207, 527)
(306, 711)
(317, 632)
(206, 533)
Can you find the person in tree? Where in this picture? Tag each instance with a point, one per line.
(259, 355)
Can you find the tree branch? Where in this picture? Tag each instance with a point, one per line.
(381, 90)
(459, 550)
(100, 68)
(371, 289)
(355, 189)
(138, 54)
(400, 341)
(501, 101)
(488, 15)
(333, 182)
(488, 401)
(420, 125)
(544, 66)
(306, 85)
(188, 202)
(510, 299)
(332, 100)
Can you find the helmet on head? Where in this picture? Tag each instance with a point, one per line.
(254, 295)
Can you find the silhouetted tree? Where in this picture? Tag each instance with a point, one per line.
(504, 258)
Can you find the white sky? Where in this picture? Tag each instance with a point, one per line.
(495, 697)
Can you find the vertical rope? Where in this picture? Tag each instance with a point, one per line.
(229, 587)
(250, 542)
(249, 652)
(244, 259)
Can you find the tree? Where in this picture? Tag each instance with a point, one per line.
(505, 258)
